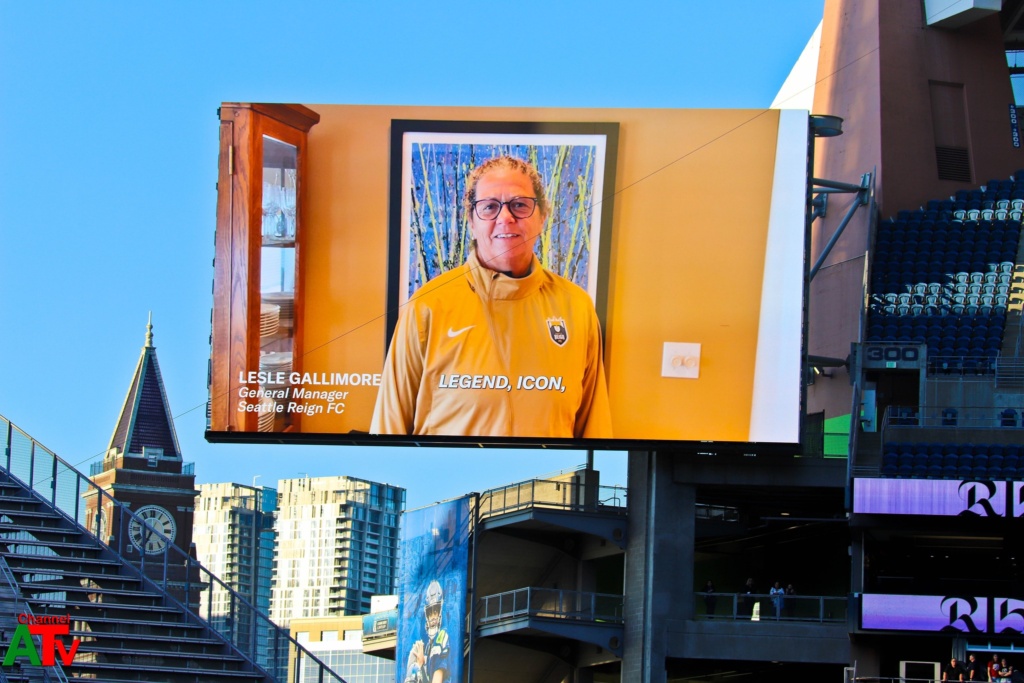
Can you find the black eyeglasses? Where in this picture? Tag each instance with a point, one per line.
(520, 207)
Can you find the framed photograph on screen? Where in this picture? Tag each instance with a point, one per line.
(429, 227)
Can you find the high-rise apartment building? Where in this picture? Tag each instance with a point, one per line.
(234, 537)
(337, 545)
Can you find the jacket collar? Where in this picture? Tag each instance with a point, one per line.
(495, 285)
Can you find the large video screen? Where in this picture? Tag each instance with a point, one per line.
(605, 278)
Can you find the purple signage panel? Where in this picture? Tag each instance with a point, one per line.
(942, 613)
(1007, 615)
(924, 613)
(942, 497)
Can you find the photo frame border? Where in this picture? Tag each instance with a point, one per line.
(400, 127)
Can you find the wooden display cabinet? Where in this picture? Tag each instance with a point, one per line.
(257, 288)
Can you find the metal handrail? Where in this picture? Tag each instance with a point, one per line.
(247, 631)
(949, 417)
(763, 607)
(560, 494)
(551, 603)
(959, 368)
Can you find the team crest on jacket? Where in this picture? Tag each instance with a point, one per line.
(556, 328)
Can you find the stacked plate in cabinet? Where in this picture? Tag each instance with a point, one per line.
(285, 301)
(279, 364)
(269, 321)
(275, 362)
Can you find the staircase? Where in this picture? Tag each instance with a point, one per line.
(153, 620)
(128, 629)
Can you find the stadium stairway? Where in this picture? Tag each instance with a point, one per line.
(128, 628)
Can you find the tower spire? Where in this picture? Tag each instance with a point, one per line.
(146, 421)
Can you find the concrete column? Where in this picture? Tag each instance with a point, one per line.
(659, 564)
(857, 577)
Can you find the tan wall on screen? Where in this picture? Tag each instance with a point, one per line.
(689, 228)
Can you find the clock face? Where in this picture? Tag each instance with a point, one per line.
(157, 518)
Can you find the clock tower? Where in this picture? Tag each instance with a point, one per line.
(143, 469)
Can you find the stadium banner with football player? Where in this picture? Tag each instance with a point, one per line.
(579, 278)
(432, 593)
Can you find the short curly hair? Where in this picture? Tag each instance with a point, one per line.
(507, 163)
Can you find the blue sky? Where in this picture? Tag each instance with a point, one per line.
(108, 161)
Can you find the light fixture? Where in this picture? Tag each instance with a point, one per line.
(826, 125)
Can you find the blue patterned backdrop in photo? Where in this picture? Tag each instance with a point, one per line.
(439, 236)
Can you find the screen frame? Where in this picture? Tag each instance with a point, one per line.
(746, 447)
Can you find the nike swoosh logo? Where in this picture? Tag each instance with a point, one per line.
(456, 333)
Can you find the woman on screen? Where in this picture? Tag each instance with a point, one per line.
(499, 346)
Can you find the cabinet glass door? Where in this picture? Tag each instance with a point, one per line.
(277, 269)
